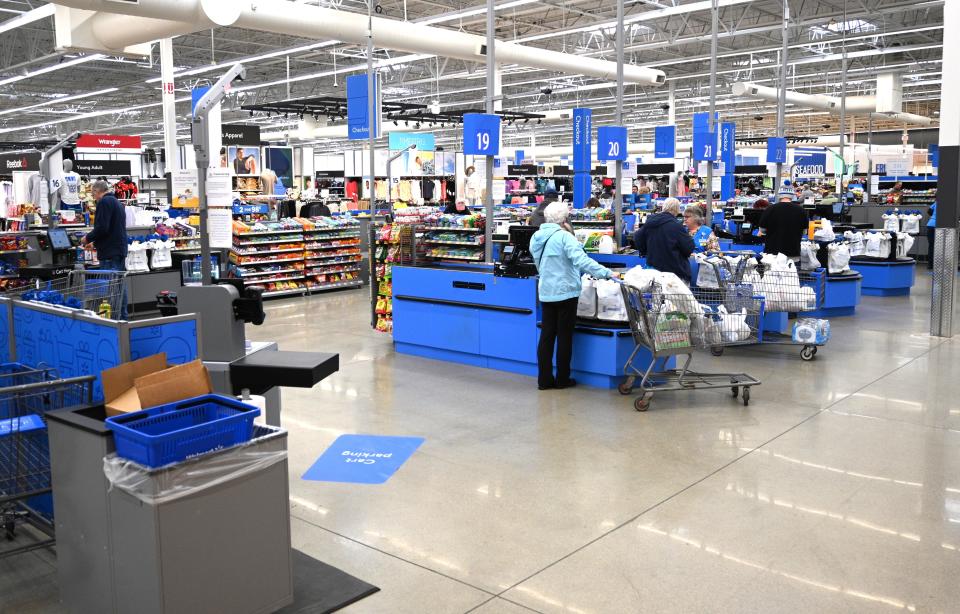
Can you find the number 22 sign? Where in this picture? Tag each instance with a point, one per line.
(481, 134)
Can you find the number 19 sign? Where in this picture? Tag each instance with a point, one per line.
(481, 134)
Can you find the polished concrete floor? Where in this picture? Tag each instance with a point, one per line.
(836, 490)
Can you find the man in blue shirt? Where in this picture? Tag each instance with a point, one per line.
(109, 234)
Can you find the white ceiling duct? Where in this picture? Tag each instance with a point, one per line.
(854, 104)
(297, 19)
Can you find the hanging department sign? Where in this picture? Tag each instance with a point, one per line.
(108, 143)
(240, 134)
(107, 168)
(358, 108)
(809, 163)
(24, 161)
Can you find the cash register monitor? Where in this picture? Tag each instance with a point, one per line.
(520, 237)
(59, 240)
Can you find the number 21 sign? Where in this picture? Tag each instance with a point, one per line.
(481, 134)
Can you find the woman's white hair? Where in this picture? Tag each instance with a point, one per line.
(671, 205)
(556, 212)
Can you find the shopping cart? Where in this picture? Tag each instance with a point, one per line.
(26, 395)
(678, 324)
(98, 291)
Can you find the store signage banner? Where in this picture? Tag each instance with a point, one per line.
(107, 168)
(424, 141)
(521, 169)
(809, 163)
(701, 121)
(363, 459)
(705, 146)
(776, 150)
(24, 161)
(240, 134)
(481, 134)
(108, 143)
(582, 140)
(518, 156)
(728, 148)
(358, 108)
(665, 142)
(611, 143)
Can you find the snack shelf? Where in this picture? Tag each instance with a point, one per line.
(310, 247)
(331, 256)
(262, 273)
(287, 250)
(462, 243)
(261, 233)
(445, 257)
(453, 228)
(262, 262)
(276, 279)
(337, 284)
(269, 242)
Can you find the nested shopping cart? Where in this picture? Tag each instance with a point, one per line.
(677, 324)
(96, 291)
(26, 395)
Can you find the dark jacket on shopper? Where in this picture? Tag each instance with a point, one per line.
(536, 218)
(666, 244)
(109, 234)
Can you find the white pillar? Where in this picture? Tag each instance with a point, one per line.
(168, 98)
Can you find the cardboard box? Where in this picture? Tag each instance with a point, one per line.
(148, 382)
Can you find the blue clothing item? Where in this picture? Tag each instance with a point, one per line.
(561, 262)
(109, 234)
(932, 222)
(666, 244)
(701, 238)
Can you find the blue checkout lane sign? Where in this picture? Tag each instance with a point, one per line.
(705, 146)
(481, 134)
(665, 142)
(611, 143)
(363, 459)
(776, 150)
(358, 109)
(582, 140)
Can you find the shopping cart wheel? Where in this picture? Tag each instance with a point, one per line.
(746, 395)
(626, 386)
(808, 352)
(642, 403)
(717, 350)
(735, 391)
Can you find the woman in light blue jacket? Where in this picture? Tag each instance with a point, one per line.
(561, 262)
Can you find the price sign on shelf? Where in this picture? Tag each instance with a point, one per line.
(705, 146)
(612, 143)
(481, 134)
(776, 150)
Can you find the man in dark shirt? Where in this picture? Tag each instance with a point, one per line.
(783, 225)
(109, 234)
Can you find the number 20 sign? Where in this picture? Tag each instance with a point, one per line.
(481, 134)
(611, 143)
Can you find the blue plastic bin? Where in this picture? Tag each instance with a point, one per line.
(172, 433)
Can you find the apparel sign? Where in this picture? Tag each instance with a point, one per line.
(582, 140)
(809, 163)
(521, 169)
(108, 143)
(24, 161)
(107, 168)
(240, 134)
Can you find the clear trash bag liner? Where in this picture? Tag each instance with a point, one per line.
(165, 484)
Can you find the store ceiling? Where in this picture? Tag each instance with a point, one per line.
(122, 96)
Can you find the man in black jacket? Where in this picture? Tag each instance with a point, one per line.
(783, 225)
(665, 242)
(109, 234)
(536, 218)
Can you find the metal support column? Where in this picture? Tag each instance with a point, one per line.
(491, 86)
(168, 101)
(782, 91)
(711, 123)
(672, 120)
(371, 118)
(948, 183)
(618, 185)
(843, 106)
(869, 190)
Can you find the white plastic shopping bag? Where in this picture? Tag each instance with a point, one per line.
(838, 259)
(707, 271)
(606, 245)
(808, 256)
(610, 305)
(587, 304)
(733, 326)
(161, 256)
(855, 240)
(891, 221)
(904, 243)
(825, 232)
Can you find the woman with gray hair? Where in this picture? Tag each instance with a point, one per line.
(665, 242)
(703, 238)
(561, 262)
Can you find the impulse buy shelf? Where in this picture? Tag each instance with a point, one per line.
(452, 243)
(298, 255)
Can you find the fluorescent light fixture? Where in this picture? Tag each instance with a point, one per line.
(53, 67)
(58, 100)
(47, 10)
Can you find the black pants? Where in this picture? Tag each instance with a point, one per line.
(559, 319)
(931, 234)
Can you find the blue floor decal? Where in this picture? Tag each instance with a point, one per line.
(363, 459)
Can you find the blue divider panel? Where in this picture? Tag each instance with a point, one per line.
(5, 355)
(73, 346)
(177, 339)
